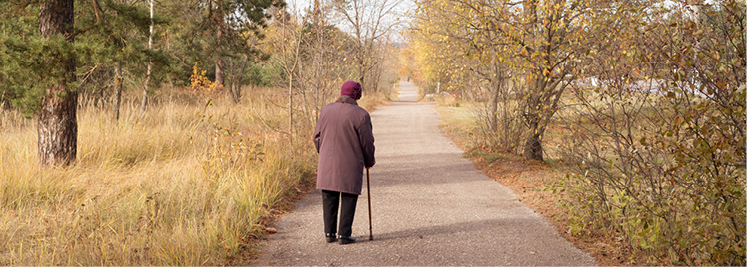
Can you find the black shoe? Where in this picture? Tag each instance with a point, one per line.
(330, 237)
(344, 240)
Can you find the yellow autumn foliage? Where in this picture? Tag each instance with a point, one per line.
(200, 84)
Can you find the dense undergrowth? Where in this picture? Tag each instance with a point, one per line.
(672, 210)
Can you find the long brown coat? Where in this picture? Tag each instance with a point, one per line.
(345, 143)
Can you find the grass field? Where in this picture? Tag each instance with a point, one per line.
(185, 184)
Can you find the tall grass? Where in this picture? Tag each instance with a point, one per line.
(185, 184)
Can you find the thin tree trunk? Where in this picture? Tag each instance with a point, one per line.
(168, 36)
(319, 42)
(290, 108)
(219, 77)
(58, 126)
(118, 90)
(509, 138)
(493, 106)
(150, 64)
(236, 77)
(2, 99)
(219, 64)
(290, 70)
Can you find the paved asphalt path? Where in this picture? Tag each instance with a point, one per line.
(430, 207)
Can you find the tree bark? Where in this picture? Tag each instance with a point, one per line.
(219, 77)
(532, 117)
(533, 148)
(493, 106)
(144, 104)
(117, 90)
(58, 126)
(219, 64)
(236, 76)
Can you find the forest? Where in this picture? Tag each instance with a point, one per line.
(167, 132)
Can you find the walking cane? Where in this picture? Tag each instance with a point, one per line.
(368, 184)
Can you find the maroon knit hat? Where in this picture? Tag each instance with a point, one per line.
(351, 89)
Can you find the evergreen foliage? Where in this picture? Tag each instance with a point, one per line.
(111, 33)
(108, 31)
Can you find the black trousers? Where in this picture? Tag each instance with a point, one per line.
(331, 204)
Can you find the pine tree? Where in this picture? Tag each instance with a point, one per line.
(58, 125)
(38, 65)
(227, 26)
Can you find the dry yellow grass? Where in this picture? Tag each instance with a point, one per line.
(186, 184)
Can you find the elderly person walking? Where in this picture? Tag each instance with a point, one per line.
(345, 143)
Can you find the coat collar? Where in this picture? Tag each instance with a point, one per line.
(347, 99)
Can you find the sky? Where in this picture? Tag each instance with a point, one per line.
(401, 9)
(404, 6)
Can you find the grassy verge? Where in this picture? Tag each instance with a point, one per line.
(534, 183)
(185, 184)
(371, 101)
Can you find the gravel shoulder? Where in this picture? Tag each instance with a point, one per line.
(430, 206)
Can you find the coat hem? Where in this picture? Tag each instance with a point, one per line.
(340, 190)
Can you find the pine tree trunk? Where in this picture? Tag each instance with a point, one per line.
(58, 126)
(117, 90)
(219, 77)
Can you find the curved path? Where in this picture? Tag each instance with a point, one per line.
(430, 206)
